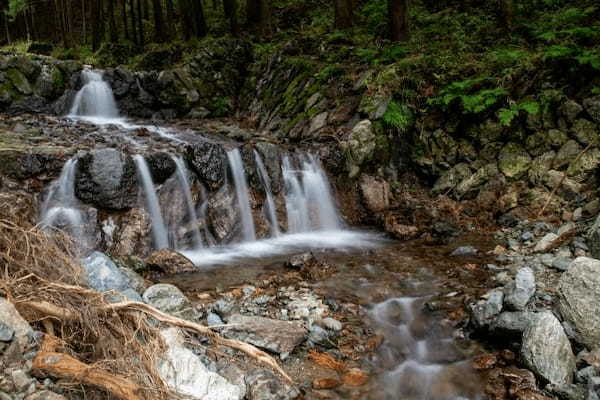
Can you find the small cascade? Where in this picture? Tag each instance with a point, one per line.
(184, 182)
(266, 182)
(429, 357)
(159, 231)
(95, 98)
(59, 209)
(308, 200)
(241, 190)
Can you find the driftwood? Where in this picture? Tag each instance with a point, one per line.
(60, 365)
(60, 313)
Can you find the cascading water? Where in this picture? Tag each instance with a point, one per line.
(184, 183)
(95, 99)
(159, 231)
(241, 191)
(308, 199)
(266, 182)
(60, 207)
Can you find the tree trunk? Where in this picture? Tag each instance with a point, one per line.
(343, 14)
(158, 21)
(7, 31)
(265, 25)
(134, 31)
(507, 10)
(140, 22)
(252, 13)
(114, 35)
(199, 21)
(125, 21)
(398, 18)
(170, 26)
(184, 9)
(96, 23)
(230, 8)
(83, 27)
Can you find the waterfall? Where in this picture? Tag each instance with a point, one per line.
(159, 230)
(266, 182)
(182, 177)
(308, 200)
(241, 191)
(95, 98)
(60, 207)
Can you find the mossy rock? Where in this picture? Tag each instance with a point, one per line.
(540, 167)
(19, 81)
(585, 131)
(26, 65)
(160, 59)
(473, 182)
(50, 83)
(113, 54)
(567, 153)
(513, 160)
(449, 179)
(6, 93)
(374, 105)
(581, 168)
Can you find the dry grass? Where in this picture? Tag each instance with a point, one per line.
(32, 264)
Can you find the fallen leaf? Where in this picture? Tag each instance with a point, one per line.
(355, 377)
(326, 361)
(326, 383)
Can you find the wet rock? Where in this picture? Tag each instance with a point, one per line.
(546, 350)
(271, 157)
(464, 251)
(209, 162)
(264, 385)
(169, 299)
(10, 318)
(183, 371)
(521, 290)
(161, 166)
(277, 336)
(579, 296)
(513, 160)
(223, 214)
(375, 193)
(107, 179)
(545, 243)
(169, 262)
(486, 309)
(102, 274)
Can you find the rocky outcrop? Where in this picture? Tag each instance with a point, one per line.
(106, 178)
(579, 296)
(209, 161)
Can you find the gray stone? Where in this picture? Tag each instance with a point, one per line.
(521, 290)
(10, 317)
(513, 160)
(375, 193)
(331, 324)
(546, 350)
(318, 122)
(45, 395)
(512, 323)
(102, 273)
(20, 379)
(570, 110)
(273, 335)
(213, 319)
(6, 332)
(169, 299)
(223, 307)
(593, 238)
(209, 161)
(561, 263)
(567, 154)
(585, 131)
(584, 375)
(464, 251)
(264, 385)
(359, 145)
(106, 178)
(183, 371)
(579, 296)
(487, 308)
(567, 391)
(318, 335)
(449, 179)
(545, 243)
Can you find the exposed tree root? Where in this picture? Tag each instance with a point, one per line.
(60, 365)
(65, 314)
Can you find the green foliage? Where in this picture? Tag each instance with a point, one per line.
(596, 90)
(590, 57)
(16, 7)
(19, 47)
(506, 115)
(329, 72)
(470, 95)
(398, 116)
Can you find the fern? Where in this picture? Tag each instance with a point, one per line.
(471, 100)
(506, 115)
(398, 116)
(590, 57)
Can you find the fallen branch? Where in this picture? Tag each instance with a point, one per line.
(60, 365)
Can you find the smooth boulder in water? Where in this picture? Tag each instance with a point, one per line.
(106, 178)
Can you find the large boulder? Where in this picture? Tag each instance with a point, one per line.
(209, 162)
(13, 325)
(579, 297)
(359, 146)
(161, 166)
(546, 350)
(106, 178)
(183, 371)
(375, 193)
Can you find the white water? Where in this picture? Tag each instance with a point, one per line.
(270, 206)
(184, 182)
(241, 192)
(159, 231)
(59, 208)
(95, 99)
